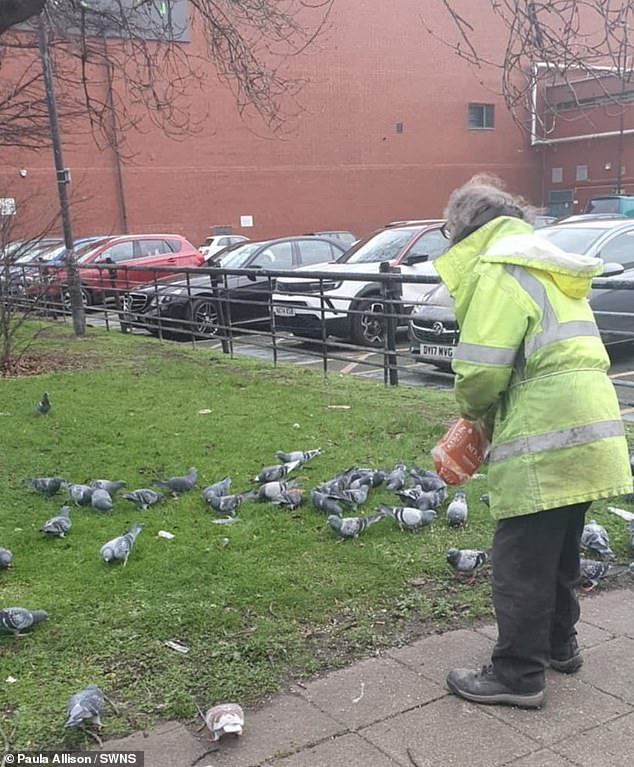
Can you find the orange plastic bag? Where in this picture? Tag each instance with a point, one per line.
(460, 452)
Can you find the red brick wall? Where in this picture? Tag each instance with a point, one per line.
(339, 164)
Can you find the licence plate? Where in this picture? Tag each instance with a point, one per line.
(436, 351)
(284, 311)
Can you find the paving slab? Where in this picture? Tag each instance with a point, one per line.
(448, 732)
(610, 667)
(612, 612)
(371, 690)
(436, 655)
(281, 727)
(588, 634)
(543, 758)
(165, 745)
(346, 751)
(607, 746)
(571, 706)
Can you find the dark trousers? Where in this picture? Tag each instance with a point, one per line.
(535, 568)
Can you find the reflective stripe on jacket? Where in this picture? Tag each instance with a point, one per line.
(530, 355)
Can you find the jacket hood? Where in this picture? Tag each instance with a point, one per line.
(509, 240)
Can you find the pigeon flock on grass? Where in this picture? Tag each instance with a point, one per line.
(420, 493)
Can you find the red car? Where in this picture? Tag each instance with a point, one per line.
(122, 255)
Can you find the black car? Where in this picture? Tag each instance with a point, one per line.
(433, 330)
(200, 305)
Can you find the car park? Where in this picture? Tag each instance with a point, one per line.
(125, 261)
(433, 331)
(202, 305)
(354, 308)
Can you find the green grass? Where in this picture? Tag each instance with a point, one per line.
(282, 600)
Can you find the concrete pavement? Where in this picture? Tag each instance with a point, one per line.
(393, 710)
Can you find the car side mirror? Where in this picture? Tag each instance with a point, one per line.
(611, 269)
(415, 258)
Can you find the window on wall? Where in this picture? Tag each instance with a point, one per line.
(481, 116)
(557, 175)
(581, 173)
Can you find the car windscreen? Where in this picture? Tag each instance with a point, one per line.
(84, 252)
(38, 251)
(603, 205)
(383, 246)
(573, 239)
(237, 259)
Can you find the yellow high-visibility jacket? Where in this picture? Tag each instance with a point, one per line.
(530, 353)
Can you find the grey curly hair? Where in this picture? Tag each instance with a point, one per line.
(479, 201)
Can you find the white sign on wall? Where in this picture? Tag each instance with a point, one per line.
(246, 221)
(7, 206)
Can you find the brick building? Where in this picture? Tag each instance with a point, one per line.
(392, 121)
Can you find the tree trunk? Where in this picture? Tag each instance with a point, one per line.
(15, 11)
(77, 309)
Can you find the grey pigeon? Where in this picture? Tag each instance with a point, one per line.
(303, 456)
(485, 501)
(228, 504)
(395, 480)
(101, 500)
(591, 571)
(277, 472)
(273, 491)
(427, 479)
(178, 485)
(6, 557)
(44, 485)
(223, 719)
(218, 488)
(44, 405)
(290, 499)
(108, 485)
(80, 494)
(595, 538)
(13, 620)
(59, 525)
(628, 516)
(466, 561)
(409, 517)
(326, 503)
(142, 498)
(457, 511)
(85, 707)
(422, 499)
(118, 549)
(352, 527)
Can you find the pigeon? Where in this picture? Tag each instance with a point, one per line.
(59, 525)
(395, 480)
(428, 480)
(485, 501)
(224, 718)
(108, 485)
(13, 620)
(44, 485)
(327, 503)
(628, 516)
(6, 557)
(85, 706)
(352, 527)
(408, 517)
(422, 499)
(81, 494)
(272, 491)
(118, 549)
(303, 456)
(101, 500)
(290, 499)
(44, 405)
(352, 496)
(595, 538)
(466, 561)
(179, 485)
(218, 488)
(592, 571)
(457, 511)
(228, 504)
(142, 498)
(279, 471)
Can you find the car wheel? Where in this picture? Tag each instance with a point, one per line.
(203, 318)
(367, 325)
(86, 297)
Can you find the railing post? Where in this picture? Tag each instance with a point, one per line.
(391, 292)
